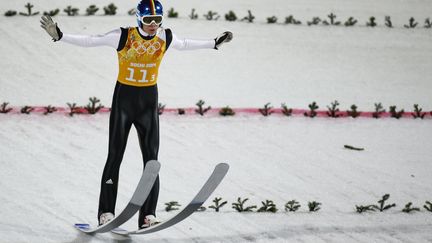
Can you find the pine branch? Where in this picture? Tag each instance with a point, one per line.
(428, 206)
(378, 110)
(272, 20)
(173, 205)
(267, 206)
(412, 23)
(313, 107)
(362, 209)
(371, 22)
(71, 11)
(388, 22)
(211, 15)
(93, 107)
(249, 18)
(332, 18)
(200, 109)
(172, 13)
(428, 23)
(4, 109)
(239, 206)
(74, 109)
(161, 109)
(52, 13)
(49, 109)
(285, 110)
(29, 7)
(382, 206)
(10, 13)
(226, 111)
(111, 9)
(91, 10)
(217, 204)
(314, 206)
(333, 110)
(291, 20)
(315, 21)
(181, 111)
(353, 112)
(408, 208)
(292, 206)
(193, 15)
(350, 22)
(27, 109)
(267, 110)
(418, 112)
(396, 114)
(230, 16)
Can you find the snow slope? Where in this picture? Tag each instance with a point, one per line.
(269, 63)
(51, 165)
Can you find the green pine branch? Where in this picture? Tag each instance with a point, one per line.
(93, 107)
(173, 205)
(239, 206)
(226, 111)
(266, 110)
(408, 208)
(267, 206)
(161, 108)
(378, 110)
(418, 112)
(362, 209)
(396, 114)
(49, 109)
(285, 110)
(314, 206)
(201, 110)
(382, 204)
(428, 206)
(218, 204)
(29, 7)
(4, 108)
(292, 206)
(26, 109)
(333, 110)
(313, 107)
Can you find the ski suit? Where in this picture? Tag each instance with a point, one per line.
(135, 101)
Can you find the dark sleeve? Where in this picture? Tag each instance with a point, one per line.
(169, 37)
(123, 39)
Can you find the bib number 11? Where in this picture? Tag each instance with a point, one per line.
(143, 77)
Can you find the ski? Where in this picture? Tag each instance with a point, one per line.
(141, 193)
(208, 188)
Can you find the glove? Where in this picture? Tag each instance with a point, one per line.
(222, 38)
(51, 28)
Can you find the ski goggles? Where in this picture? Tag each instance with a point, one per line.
(152, 19)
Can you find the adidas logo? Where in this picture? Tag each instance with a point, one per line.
(109, 182)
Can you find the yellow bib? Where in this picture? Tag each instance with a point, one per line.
(140, 59)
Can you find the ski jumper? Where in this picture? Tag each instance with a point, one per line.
(134, 102)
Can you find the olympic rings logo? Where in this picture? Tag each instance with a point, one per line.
(146, 47)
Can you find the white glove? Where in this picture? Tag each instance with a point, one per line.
(222, 38)
(51, 28)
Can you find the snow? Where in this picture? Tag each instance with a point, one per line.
(51, 165)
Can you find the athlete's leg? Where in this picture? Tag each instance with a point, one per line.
(119, 128)
(147, 125)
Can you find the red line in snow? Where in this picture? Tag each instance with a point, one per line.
(215, 111)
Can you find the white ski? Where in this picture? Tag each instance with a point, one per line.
(209, 187)
(141, 193)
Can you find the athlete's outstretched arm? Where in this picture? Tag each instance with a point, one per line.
(111, 38)
(192, 44)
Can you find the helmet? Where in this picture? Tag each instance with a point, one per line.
(148, 8)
